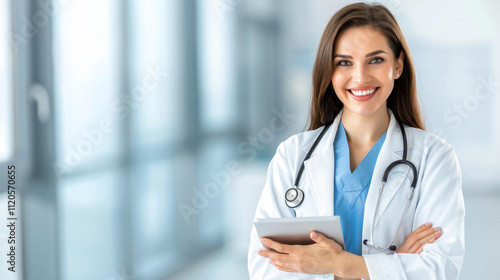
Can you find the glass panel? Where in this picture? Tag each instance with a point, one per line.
(6, 90)
(152, 210)
(155, 77)
(217, 74)
(86, 62)
(90, 227)
(215, 178)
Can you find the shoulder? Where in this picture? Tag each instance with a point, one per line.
(432, 146)
(301, 140)
(427, 139)
(295, 147)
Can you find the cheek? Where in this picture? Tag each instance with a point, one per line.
(387, 73)
(339, 81)
(388, 77)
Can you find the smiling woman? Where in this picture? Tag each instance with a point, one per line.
(375, 167)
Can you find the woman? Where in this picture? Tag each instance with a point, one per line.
(363, 91)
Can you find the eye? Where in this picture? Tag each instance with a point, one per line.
(377, 60)
(344, 63)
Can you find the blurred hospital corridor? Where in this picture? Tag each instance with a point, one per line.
(141, 132)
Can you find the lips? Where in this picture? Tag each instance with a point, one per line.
(363, 93)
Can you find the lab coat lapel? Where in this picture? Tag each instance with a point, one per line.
(391, 151)
(319, 168)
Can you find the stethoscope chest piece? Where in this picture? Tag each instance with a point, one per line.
(294, 197)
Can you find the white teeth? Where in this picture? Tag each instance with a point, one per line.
(363, 92)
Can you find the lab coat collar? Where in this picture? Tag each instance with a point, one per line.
(320, 169)
(394, 138)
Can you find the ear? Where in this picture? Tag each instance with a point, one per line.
(400, 63)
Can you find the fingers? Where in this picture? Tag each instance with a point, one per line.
(319, 238)
(282, 267)
(419, 237)
(413, 238)
(422, 228)
(282, 248)
(420, 231)
(322, 239)
(421, 249)
(435, 233)
(275, 257)
(426, 233)
(281, 259)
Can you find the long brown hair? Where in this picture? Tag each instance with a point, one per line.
(325, 104)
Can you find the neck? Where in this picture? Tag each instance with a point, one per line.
(364, 130)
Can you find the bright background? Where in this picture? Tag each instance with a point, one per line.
(141, 130)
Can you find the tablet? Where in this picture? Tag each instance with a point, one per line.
(295, 231)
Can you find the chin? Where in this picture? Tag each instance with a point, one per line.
(364, 110)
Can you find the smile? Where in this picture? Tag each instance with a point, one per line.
(362, 92)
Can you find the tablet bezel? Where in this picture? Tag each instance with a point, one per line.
(296, 231)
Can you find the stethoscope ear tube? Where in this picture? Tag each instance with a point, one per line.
(308, 155)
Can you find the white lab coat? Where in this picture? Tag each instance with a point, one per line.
(437, 199)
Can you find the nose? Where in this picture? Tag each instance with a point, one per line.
(361, 74)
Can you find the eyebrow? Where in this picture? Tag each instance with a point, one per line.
(368, 55)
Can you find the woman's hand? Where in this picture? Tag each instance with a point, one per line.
(415, 242)
(325, 256)
(318, 258)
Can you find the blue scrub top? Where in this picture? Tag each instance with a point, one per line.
(351, 189)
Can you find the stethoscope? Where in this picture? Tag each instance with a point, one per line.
(295, 196)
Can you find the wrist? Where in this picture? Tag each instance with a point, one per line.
(353, 266)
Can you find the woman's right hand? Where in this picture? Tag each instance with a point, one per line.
(415, 242)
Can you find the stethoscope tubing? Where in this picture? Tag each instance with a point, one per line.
(294, 196)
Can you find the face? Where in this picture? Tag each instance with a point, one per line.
(364, 70)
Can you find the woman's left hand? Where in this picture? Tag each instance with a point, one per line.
(322, 257)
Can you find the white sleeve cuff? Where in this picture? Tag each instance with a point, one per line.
(374, 267)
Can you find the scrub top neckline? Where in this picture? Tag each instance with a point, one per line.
(352, 184)
(345, 144)
(351, 188)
